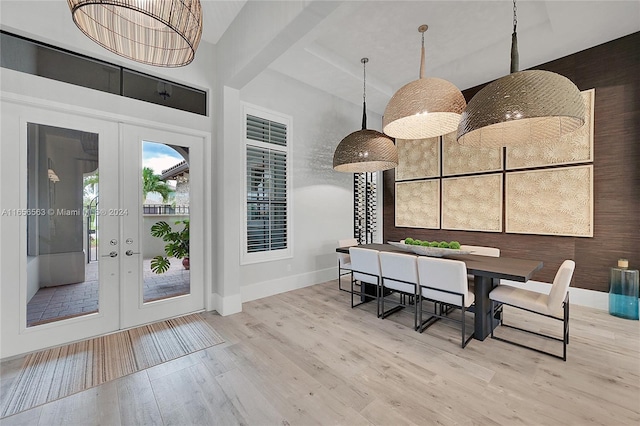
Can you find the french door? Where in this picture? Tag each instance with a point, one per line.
(150, 293)
(77, 249)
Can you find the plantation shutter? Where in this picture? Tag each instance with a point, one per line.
(266, 185)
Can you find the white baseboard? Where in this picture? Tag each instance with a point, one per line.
(281, 285)
(225, 305)
(577, 296)
(228, 305)
(233, 304)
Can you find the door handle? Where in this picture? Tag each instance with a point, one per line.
(111, 254)
(130, 253)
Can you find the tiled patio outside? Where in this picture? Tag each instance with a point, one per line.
(65, 301)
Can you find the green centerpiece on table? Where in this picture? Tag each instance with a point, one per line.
(439, 244)
(429, 248)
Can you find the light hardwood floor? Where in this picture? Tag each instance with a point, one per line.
(306, 358)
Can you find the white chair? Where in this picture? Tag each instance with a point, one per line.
(554, 305)
(443, 281)
(344, 261)
(399, 273)
(365, 265)
(482, 251)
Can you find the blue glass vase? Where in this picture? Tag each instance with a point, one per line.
(623, 293)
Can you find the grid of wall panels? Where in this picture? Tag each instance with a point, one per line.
(539, 189)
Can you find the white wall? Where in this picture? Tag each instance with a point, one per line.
(322, 197)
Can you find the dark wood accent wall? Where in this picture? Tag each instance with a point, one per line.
(613, 69)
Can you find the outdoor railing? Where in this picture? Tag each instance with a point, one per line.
(165, 209)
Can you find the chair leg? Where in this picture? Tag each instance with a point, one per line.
(415, 313)
(463, 321)
(380, 296)
(565, 323)
(564, 339)
(419, 307)
(351, 294)
(493, 309)
(353, 305)
(340, 278)
(340, 281)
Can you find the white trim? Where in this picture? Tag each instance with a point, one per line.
(577, 296)
(225, 305)
(281, 285)
(106, 116)
(266, 256)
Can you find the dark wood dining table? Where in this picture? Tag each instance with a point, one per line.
(487, 272)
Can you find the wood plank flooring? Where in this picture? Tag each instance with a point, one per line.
(306, 358)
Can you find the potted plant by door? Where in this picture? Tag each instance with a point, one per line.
(177, 245)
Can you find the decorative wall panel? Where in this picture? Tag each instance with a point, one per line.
(472, 203)
(459, 160)
(418, 204)
(550, 202)
(418, 159)
(576, 147)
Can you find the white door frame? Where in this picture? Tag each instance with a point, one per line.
(17, 110)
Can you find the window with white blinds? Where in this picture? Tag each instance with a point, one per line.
(267, 230)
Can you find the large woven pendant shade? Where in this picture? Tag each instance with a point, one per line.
(163, 33)
(520, 108)
(524, 107)
(424, 108)
(365, 150)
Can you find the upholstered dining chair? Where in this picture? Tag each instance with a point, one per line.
(553, 305)
(399, 272)
(444, 281)
(365, 265)
(344, 261)
(480, 251)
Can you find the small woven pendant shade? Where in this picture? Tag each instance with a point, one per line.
(365, 150)
(424, 108)
(163, 33)
(524, 107)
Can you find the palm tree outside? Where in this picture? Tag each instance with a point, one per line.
(152, 183)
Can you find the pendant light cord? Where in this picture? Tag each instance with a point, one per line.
(515, 60)
(364, 92)
(422, 31)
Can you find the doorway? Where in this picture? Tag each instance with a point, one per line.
(88, 253)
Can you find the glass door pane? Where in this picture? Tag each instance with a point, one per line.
(62, 181)
(165, 210)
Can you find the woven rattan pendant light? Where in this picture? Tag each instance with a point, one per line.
(521, 108)
(424, 108)
(163, 33)
(365, 150)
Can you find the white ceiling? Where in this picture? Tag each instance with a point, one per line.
(467, 42)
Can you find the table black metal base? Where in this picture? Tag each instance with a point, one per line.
(483, 316)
